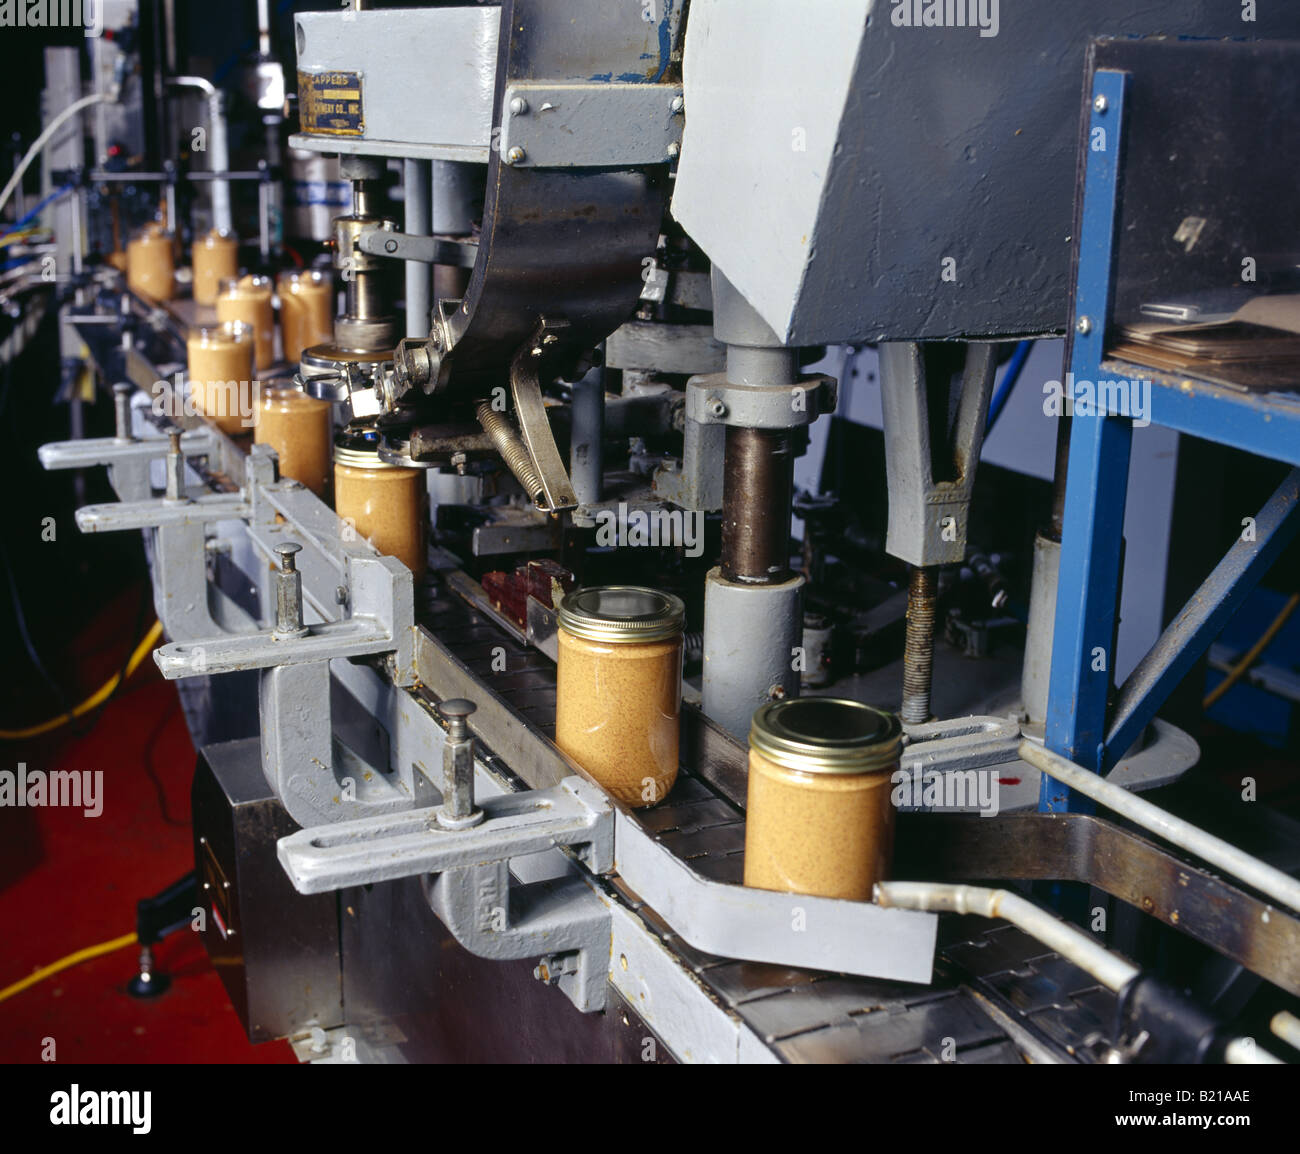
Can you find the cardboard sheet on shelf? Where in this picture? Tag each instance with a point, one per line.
(1256, 348)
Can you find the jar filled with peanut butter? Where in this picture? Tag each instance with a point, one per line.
(820, 817)
(216, 258)
(619, 688)
(384, 503)
(306, 310)
(151, 263)
(249, 300)
(220, 370)
(299, 429)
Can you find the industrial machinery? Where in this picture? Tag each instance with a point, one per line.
(609, 285)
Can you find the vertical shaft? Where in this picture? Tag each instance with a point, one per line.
(758, 481)
(586, 456)
(419, 222)
(918, 649)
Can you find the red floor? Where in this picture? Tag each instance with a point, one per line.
(68, 881)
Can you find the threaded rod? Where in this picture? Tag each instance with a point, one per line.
(918, 649)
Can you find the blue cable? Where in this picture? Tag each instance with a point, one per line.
(31, 216)
(1009, 379)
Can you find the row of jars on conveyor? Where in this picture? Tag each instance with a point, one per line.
(306, 296)
(383, 503)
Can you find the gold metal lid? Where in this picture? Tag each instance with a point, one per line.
(357, 447)
(826, 735)
(622, 613)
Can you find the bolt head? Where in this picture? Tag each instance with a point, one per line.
(518, 106)
(456, 707)
(1083, 326)
(286, 551)
(515, 155)
(674, 149)
(678, 104)
(717, 408)
(1101, 104)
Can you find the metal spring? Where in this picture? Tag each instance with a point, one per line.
(511, 447)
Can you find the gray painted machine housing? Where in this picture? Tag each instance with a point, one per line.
(833, 161)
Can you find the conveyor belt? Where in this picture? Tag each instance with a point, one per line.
(998, 996)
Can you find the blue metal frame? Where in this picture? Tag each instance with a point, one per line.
(1097, 485)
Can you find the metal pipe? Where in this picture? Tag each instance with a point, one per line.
(918, 645)
(1244, 1052)
(1071, 943)
(586, 442)
(1287, 1027)
(1259, 875)
(757, 491)
(418, 180)
(264, 27)
(218, 145)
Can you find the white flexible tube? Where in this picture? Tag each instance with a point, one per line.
(41, 141)
(1279, 886)
(1110, 969)
(1071, 943)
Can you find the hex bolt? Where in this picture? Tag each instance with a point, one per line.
(552, 967)
(518, 106)
(458, 810)
(288, 592)
(516, 155)
(175, 468)
(122, 412)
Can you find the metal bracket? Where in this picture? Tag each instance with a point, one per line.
(472, 892)
(453, 251)
(530, 411)
(594, 125)
(128, 461)
(380, 849)
(927, 518)
(756, 925)
(711, 399)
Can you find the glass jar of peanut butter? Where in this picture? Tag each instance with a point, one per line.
(820, 817)
(306, 310)
(299, 429)
(384, 503)
(220, 373)
(249, 300)
(151, 263)
(216, 258)
(619, 690)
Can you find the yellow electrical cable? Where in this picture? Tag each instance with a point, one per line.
(95, 699)
(66, 963)
(1238, 671)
